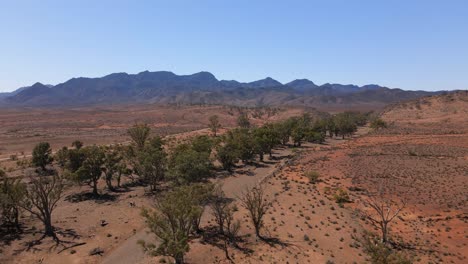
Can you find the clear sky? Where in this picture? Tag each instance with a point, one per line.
(408, 44)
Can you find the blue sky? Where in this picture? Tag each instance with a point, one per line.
(407, 44)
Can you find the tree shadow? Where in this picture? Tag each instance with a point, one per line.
(86, 196)
(160, 189)
(273, 160)
(9, 234)
(120, 190)
(68, 233)
(211, 236)
(133, 183)
(67, 240)
(273, 242)
(286, 156)
(245, 172)
(411, 247)
(262, 164)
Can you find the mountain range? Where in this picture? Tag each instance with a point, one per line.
(201, 88)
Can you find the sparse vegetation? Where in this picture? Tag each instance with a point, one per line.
(184, 165)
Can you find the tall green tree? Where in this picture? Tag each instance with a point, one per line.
(12, 193)
(139, 134)
(187, 165)
(202, 144)
(214, 124)
(151, 165)
(92, 168)
(112, 161)
(42, 155)
(284, 130)
(298, 134)
(76, 158)
(267, 137)
(243, 121)
(77, 144)
(62, 157)
(243, 142)
(172, 223)
(227, 154)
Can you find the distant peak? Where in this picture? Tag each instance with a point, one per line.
(204, 75)
(302, 84)
(38, 86)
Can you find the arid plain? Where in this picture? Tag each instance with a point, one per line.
(421, 158)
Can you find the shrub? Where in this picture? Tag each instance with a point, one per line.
(378, 123)
(380, 253)
(313, 176)
(341, 196)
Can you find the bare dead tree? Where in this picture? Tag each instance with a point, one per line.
(41, 199)
(219, 205)
(383, 211)
(254, 200)
(223, 210)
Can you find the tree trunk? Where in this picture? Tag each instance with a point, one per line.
(179, 259)
(49, 229)
(109, 183)
(257, 231)
(16, 218)
(118, 179)
(95, 191)
(384, 233)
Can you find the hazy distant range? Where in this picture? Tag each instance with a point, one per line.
(203, 88)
